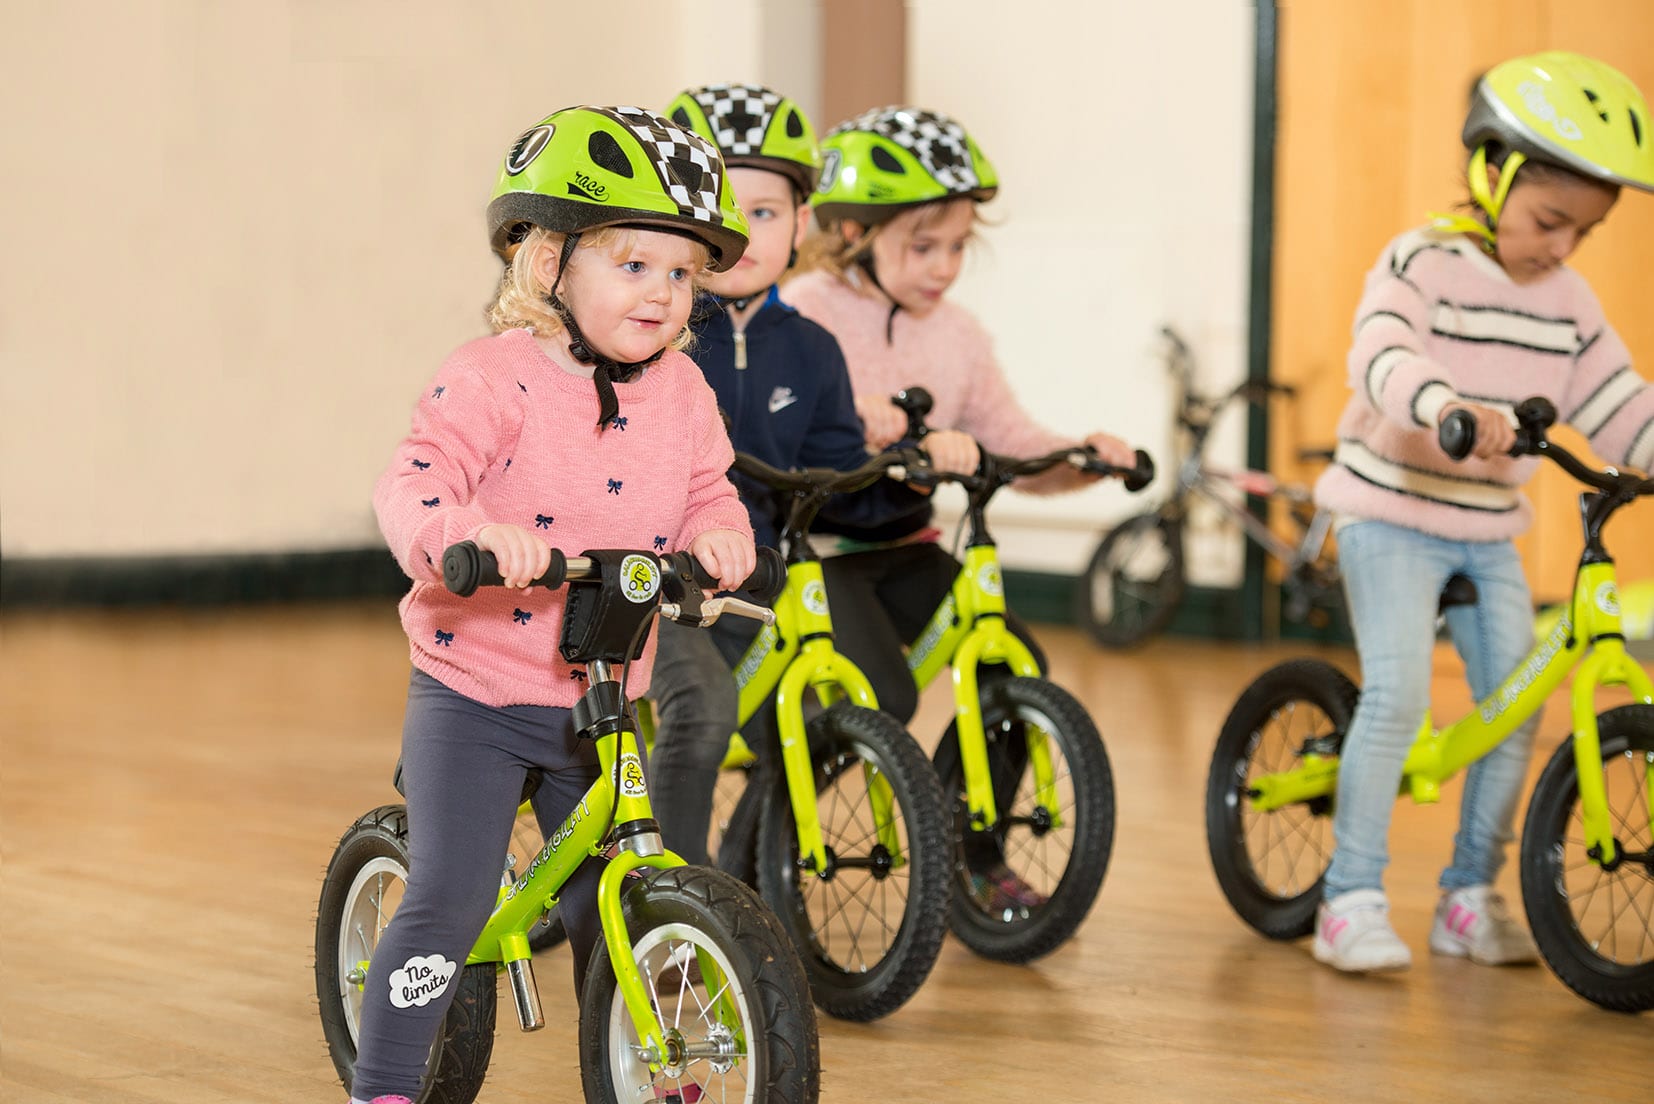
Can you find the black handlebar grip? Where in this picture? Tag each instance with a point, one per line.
(1457, 433)
(764, 584)
(1141, 474)
(465, 567)
(916, 403)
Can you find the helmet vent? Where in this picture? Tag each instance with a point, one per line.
(1636, 127)
(681, 117)
(886, 160)
(1595, 102)
(795, 125)
(686, 172)
(606, 153)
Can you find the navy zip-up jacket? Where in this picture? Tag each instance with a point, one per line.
(792, 407)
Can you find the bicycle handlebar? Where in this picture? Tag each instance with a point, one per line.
(831, 480)
(1457, 436)
(916, 402)
(465, 567)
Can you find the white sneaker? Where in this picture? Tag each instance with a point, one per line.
(1474, 923)
(1353, 933)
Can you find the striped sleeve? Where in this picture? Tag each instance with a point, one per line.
(1606, 400)
(1387, 363)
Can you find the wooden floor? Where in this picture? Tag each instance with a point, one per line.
(173, 784)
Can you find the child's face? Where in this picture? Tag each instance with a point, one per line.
(1544, 220)
(918, 254)
(632, 300)
(777, 223)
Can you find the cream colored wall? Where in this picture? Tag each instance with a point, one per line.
(1123, 137)
(238, 238)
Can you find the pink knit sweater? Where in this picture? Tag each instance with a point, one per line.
(1440, 321)
(503, 434)
(947, 352)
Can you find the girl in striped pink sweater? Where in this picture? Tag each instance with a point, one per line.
(1476, 313)
(577, 425)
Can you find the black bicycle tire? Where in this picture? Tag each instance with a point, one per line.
(1105, 630)
(1024, 939)
(887, 984)
(458, 1068)
(744, 929)
(1276, 915)
(1568, 951)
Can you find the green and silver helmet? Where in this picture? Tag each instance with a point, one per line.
(753, 127)
(892, 158)
(586, 167)
(1569, 110)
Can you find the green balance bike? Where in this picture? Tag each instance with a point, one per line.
(842, 823)
(1587, 850)
(694, 992)
(1022, 764)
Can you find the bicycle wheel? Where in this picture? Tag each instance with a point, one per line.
(870, 926)
(748, 1036)
(1022, 888)
(360, 893)
(1134, 582)
(526, 842)
(1595, 926)
(1270, 864)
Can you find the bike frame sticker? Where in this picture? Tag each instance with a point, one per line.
(421, 980)
(815, 597)
(1607, 599)
(988, 580)
(631, 776)
(640, 578)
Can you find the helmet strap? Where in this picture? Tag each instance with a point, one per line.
(605, 370)
(865, 262)
(1491, 201)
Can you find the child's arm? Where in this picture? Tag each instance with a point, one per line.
(1387, 364)
(712, 503)
(1606, 400)
(423, 499)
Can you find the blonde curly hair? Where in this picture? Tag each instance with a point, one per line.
(524, 300)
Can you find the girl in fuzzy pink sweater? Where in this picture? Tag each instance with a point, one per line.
(577, 425)
(897, 206)
(1473, 313)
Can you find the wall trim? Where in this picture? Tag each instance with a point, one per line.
(200, 580)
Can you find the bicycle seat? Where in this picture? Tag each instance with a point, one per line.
(1459, 591)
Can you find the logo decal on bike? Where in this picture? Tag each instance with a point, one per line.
(1608, 599)
(421, 980)
(757, 653)
(1505, 697)
(815, 597)
(926, 644)
(631, 776)
(988, 580)
(640, 578)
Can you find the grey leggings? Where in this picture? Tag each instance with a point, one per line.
(463, 766)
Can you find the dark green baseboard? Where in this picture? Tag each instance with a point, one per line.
(371, 573)
(200, 580)
(1213, 613)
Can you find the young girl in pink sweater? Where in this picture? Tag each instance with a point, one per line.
(577, 425)
(897, 207)
(1475, 313)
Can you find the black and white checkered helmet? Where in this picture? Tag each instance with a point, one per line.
(892, 158)
(753, 127)
(586, 167)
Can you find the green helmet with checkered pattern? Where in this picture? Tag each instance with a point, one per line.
(887, 160)
(753, 127)
(586, 167)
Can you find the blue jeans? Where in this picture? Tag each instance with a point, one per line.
(1393, 578)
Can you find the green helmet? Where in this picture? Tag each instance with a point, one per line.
(586, 167)
(753, 127)
(892, 158)
(1569, 110)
